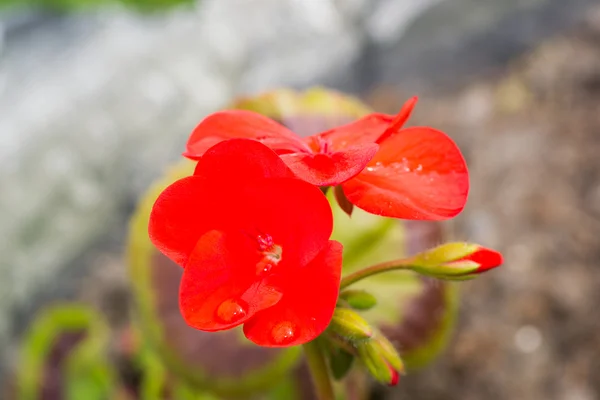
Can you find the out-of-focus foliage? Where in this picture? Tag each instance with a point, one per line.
(68, 355)
(72, 5)
(87, 371)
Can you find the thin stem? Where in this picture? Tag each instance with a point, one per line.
(317, 365)
(374, 270)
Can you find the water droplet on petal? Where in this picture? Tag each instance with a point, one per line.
(264, 266)
(231, 311)
(284, 333)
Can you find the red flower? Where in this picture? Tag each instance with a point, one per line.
(254, 242)
(411, 173)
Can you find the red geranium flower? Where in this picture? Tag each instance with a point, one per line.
(254, 242)
(412, 173)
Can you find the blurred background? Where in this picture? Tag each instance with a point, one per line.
(97, 98)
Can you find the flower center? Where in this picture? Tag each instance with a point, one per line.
(271, 254)
(320, 145)
(324, 145)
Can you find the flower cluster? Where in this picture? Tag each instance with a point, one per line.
(383, 168)
(252, 228)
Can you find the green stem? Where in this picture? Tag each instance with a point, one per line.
(315, 357)
(374, 270)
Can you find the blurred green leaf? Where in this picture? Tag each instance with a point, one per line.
(285, 390)
(87, 370)
(340, 362)
(154, 376)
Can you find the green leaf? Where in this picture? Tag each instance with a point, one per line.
(340, 362)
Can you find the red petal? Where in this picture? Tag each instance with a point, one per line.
(399, 120)
(239, 160)
(306, 308)
(395, 376)
(371, 128)
(230, 191)
(220, 287)
(181, 214)
(487, 258)
(362, 131)
(419, 173)
(296, 214)
(239, 124)
(331, 169)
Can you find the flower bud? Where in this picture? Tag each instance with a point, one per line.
(387, 349)
(359, 299)
(376, 363)
(456, 261)
(349, 325)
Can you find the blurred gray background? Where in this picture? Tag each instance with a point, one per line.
(95, 103)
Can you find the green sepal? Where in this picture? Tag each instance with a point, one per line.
(444, 253)
(375, 362)
(347, 324)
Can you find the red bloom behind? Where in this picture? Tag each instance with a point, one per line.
(254, 242)
(413, 173)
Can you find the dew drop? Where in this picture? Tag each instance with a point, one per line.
(264, 266)
(284, 333)
(378, 166)
(231, 310)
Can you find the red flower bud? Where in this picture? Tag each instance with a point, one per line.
(379, 362)
(456, 261)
